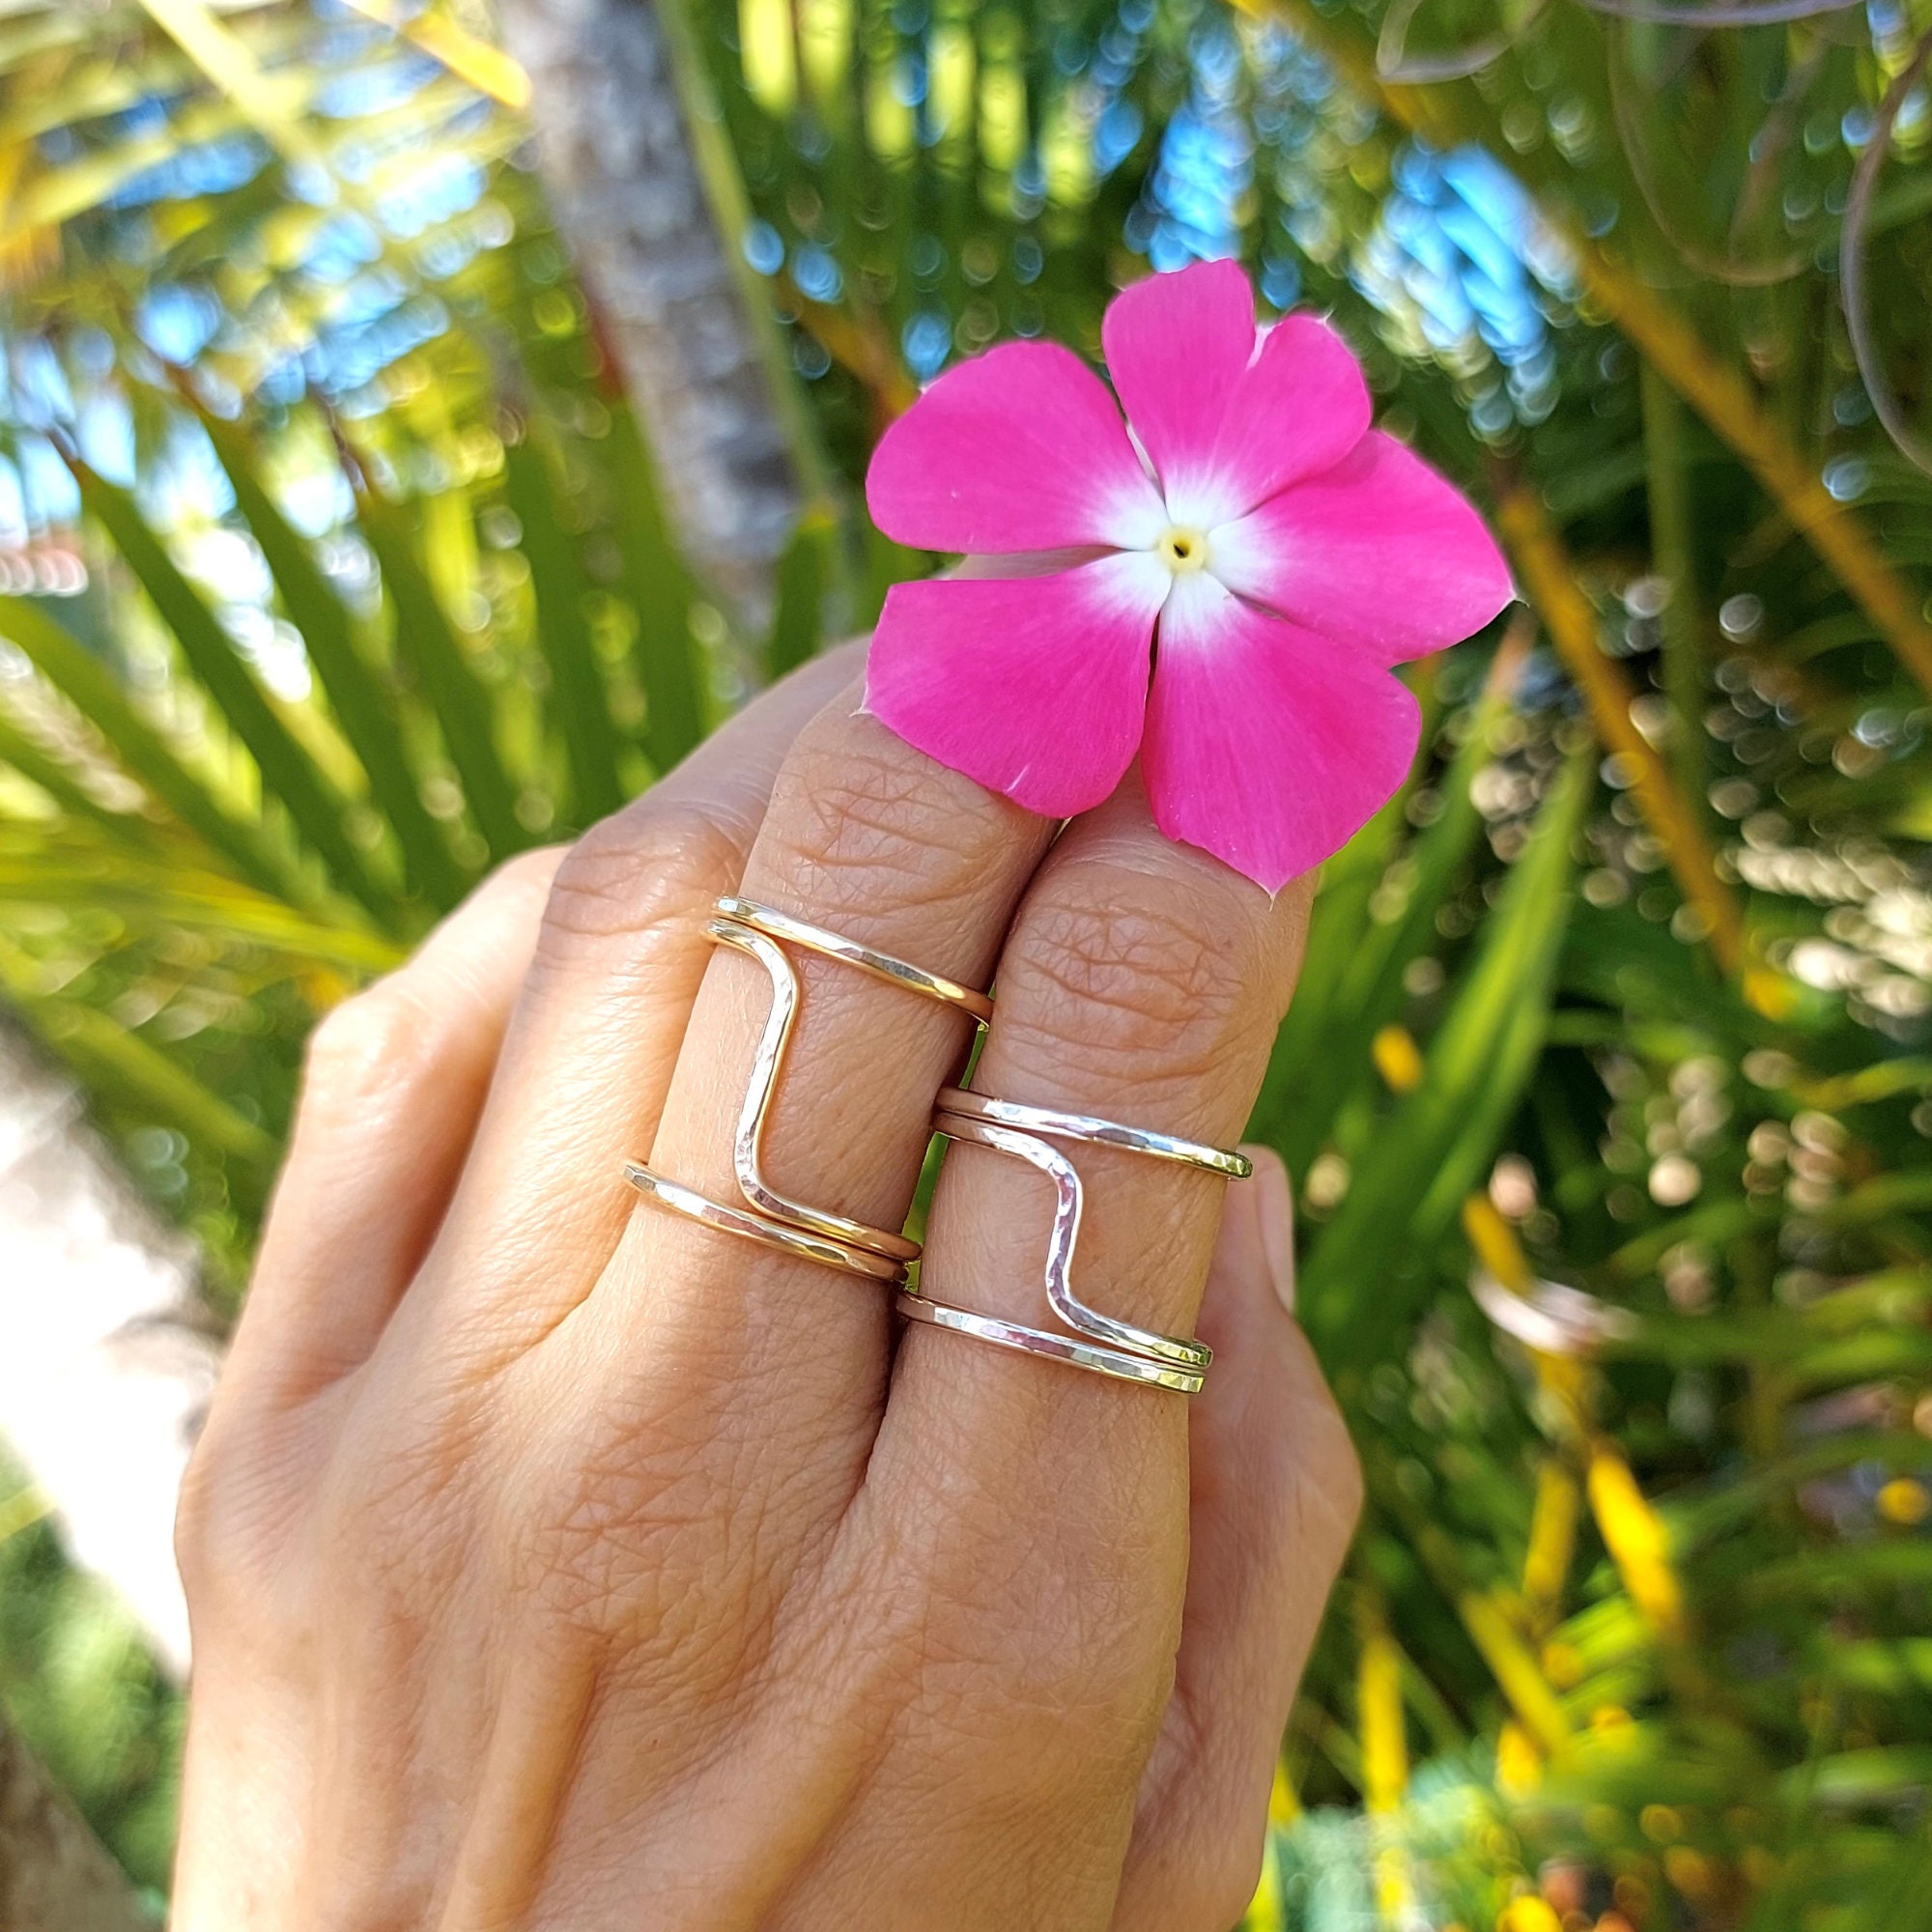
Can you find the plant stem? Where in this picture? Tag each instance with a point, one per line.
(1675, 561)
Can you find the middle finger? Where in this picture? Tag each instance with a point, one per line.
(876, 842)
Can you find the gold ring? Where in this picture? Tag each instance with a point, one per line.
(757, 931)
(813, 1234)
(977, 1007)
(795, 1241)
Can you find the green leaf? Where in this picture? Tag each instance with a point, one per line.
(798, 623)
(130, 1072)
(157, 891)
(364, 706)
(60, 784)
(1475, 1066)
(581, 700)
(1341, 912)
(287, 772)
(659, 588)
(1365, 959)
(79, 676)
(426, 643)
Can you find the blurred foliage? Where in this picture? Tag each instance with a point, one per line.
(79, 1686)
(339, 569)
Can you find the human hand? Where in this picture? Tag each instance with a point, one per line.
(553, 1560)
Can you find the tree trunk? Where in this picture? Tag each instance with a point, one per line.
(55, 1875)
(629, 194)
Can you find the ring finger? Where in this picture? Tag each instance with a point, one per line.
(1044, 1507)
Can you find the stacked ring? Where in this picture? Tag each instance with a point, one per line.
(1101, 1343)
(1065, 1348)
(774, 1218)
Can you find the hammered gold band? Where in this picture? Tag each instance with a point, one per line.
(750, 1227)
(813, 1234)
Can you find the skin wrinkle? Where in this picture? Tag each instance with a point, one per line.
(537, 1236)
(601, 1517)
(459, 990)
(869, 826)
(606, 911)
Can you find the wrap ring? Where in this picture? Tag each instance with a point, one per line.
(740, 1221)
(1101, 1343)
(813, 1234)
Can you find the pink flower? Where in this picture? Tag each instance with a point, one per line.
(1273, 553)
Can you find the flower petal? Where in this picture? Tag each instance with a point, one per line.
(1034, 686)
(1177, 346)
(1019, 449)
(1380, 552)
(1299, 408)
(1266, 744)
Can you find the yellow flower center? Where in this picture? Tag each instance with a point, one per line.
(1182, 549)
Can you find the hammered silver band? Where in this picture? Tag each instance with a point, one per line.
(1099, 1342)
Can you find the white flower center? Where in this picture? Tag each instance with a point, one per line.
(1183, 548)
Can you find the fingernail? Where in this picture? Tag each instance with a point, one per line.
(1274, 1210)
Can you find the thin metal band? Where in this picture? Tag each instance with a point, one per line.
(795, 1241)
(1098, 1133)
(776, 924)
(748, 1147)
(1012, 1128)
(1056, 1348)
(1068, 1196)
(770, 1218)
(757, 929)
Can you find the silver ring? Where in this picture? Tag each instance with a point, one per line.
(1089, 1127)
(1057, 1348)
(1124, 1350)
(1069, 1198)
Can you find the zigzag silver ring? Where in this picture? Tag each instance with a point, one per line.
(1099, 1342)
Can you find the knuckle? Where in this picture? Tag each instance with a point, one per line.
(879, 820)
(215, 1517)
(194, 1522)
(1112, 976)
(393, 1034)
(375, 1042)
(637, 869)
(524, 872)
